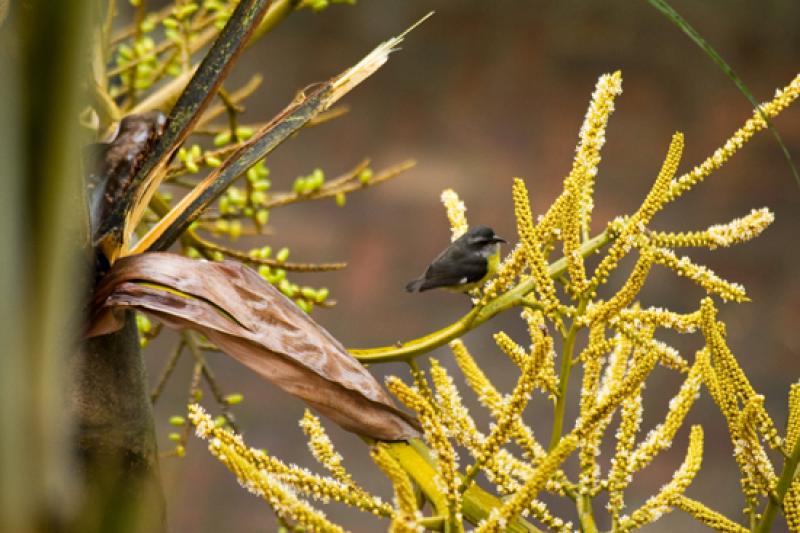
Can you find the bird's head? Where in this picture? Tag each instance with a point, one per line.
(482, 238)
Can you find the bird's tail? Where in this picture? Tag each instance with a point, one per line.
(414, 286)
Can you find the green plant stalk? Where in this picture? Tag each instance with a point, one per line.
(415, 458)
(476, 317)
(563, 380)
(776, 500)
(585, 516)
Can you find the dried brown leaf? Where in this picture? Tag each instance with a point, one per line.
(258, 326)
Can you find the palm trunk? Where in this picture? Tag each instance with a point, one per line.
(115, 435)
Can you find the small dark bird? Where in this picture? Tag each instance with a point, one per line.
(465, 264)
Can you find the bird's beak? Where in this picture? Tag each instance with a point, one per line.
(498, 239)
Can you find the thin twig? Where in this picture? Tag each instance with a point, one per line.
(346, 183)
(191, 341)
(233, 109)
(166, 372)
(199, 242)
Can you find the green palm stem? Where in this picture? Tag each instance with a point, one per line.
(477, 316)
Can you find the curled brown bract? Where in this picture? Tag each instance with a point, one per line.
(258, 326)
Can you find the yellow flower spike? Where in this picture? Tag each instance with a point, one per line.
(537, 329)
(791, 506)
(726, 403)
(703, 514)
(793, 422)
(590, 445)
(610, 399)
(532, 246)
(500, 517)
(456, 213)
(615, 369)
(548, 467)
(406, 518)
(783, 98)
(714, 335)
(447, 460)
(635, 225)
(538, 510)
(493, 400)
(587, 157)
(514, 351)
(509, 270)
(232, 452)
(628, 292)
(454, 414)
(503, 467)
(508, 415)
(723, 392)
(323, 450)
(280, 497)
(546, 377)
(667, 355)
(618, 477)
(748, 446)
(736, 231)
(421, 383)
(476, 379)
(658, 505)
(701, 275)
(657, 196)
(592, 139)
(663, 318)
(571, 235)
(660, 438)
(595, 351)
(299, 479)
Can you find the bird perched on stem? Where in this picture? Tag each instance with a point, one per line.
(465, 264)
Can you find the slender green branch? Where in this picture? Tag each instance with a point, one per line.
(192, 342)
(776, 501)
(167, 371)
(473, 319)
(585, 515)
(415, 458)
(563, 380)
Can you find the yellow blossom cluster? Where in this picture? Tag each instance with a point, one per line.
(279, 483)
(531, 246)
(322, 449)
(446, 457)
(659, 504)
(616, 355)
(736, 231)
(407, 518)
(791, 505)
(704, 515)
(456, 213)
(783, 98)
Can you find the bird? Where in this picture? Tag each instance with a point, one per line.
(465, 264)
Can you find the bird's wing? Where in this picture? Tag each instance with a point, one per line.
(452, 268)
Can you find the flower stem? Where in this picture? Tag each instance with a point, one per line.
(563, 381)
(476, 317)
(775, 502)
(585, 516)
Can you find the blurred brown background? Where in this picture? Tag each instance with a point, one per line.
(482, 92)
